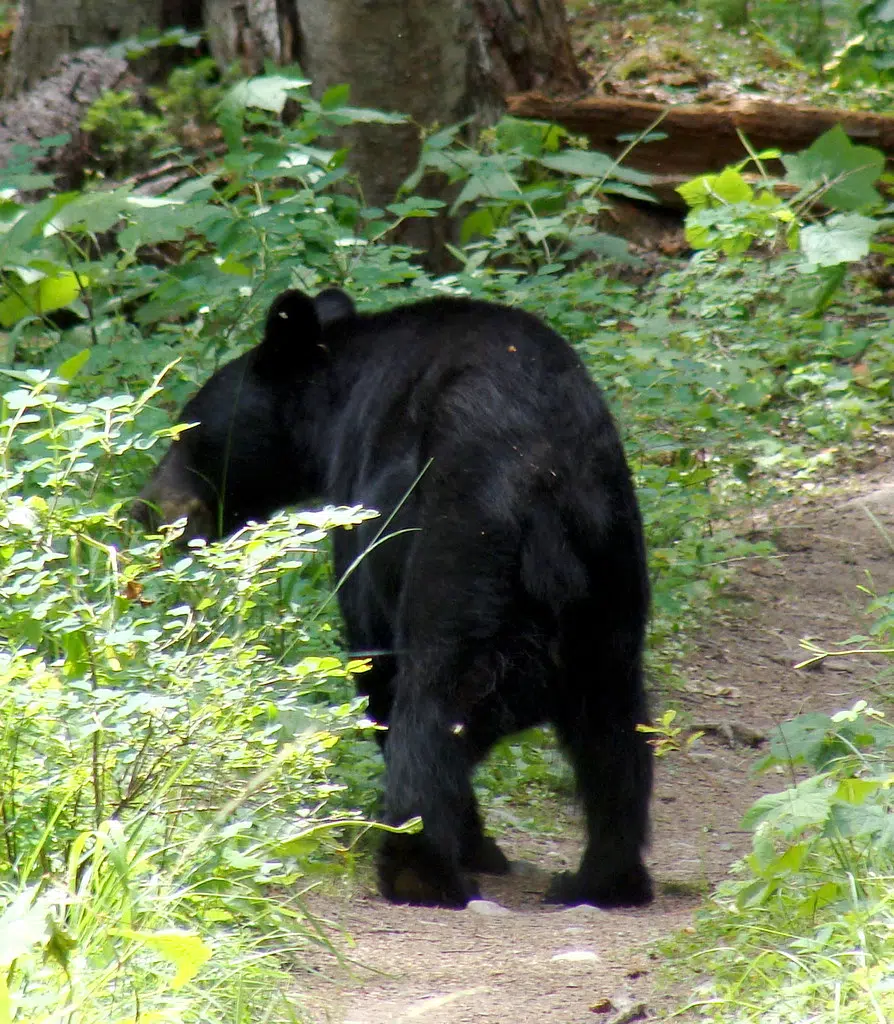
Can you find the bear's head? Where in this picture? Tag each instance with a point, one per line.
(249, 449)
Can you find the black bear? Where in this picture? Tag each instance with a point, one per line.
(504, 585)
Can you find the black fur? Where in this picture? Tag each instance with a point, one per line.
(507, 584)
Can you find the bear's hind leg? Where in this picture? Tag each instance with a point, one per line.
(613, 765)
(479, 853)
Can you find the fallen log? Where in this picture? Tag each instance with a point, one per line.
(700, 138)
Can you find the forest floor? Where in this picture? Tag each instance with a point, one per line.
(509, 959)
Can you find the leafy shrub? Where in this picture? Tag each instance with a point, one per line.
(128, 678)
(729, 214)
(865, 58)
(531, 190)
(122, 131)
(807, 933)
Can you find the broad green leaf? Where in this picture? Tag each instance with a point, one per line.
(855, 791)
(709, 189)
(268, 92)
(365, 115)
(56, 292)
(480, 223)
(601, 244)
(804, 805)
(843, 238)
(31, 225)
(13, 308)
(620, 188)
(588, 164)
(851, 170)
(488, 182)
(73, 366)
(23, 925)
(416, 206)
(335, 96)
(185, 950)
(581, 163)
(234, 266)
(94, 212)
(730, 187)
(167, 224)
(443, 138)
(43, 296)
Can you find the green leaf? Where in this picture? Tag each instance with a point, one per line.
(710, 189)
(855, 791)
(335, 96)
(365, 115)
(730, 187)
(58, 291)
(416, 206)
(94, 212)
(268, 92)
(489, 181)
(843, 238)
(42, 296)
(73, 366)
(587, 164)
(620, 188)
(581, 163)
(480, 223)
(185, 950)
(852, 170)
(795, 809)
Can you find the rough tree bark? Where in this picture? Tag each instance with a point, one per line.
(48, 29)
(409, 56)
(249, 31)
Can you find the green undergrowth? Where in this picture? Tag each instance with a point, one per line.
(182, 752)
(826, 52)
(804, 931)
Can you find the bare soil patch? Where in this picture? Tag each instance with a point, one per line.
(512, 959)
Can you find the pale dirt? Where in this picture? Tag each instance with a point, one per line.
(468, 967)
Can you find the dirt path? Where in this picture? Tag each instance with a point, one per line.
(511, 960)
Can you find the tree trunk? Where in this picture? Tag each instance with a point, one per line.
(438, 62)
(48, 29)
(408, 56)
(528, 45)
(250, 32)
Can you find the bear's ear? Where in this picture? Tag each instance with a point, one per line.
(333, 305)
(291, 336)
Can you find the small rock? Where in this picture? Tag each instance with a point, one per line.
(582, 911)
(487, 908)
(636, 1011)
(701, 755)
(602, 1006)
(577, 956)
(524, 869)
